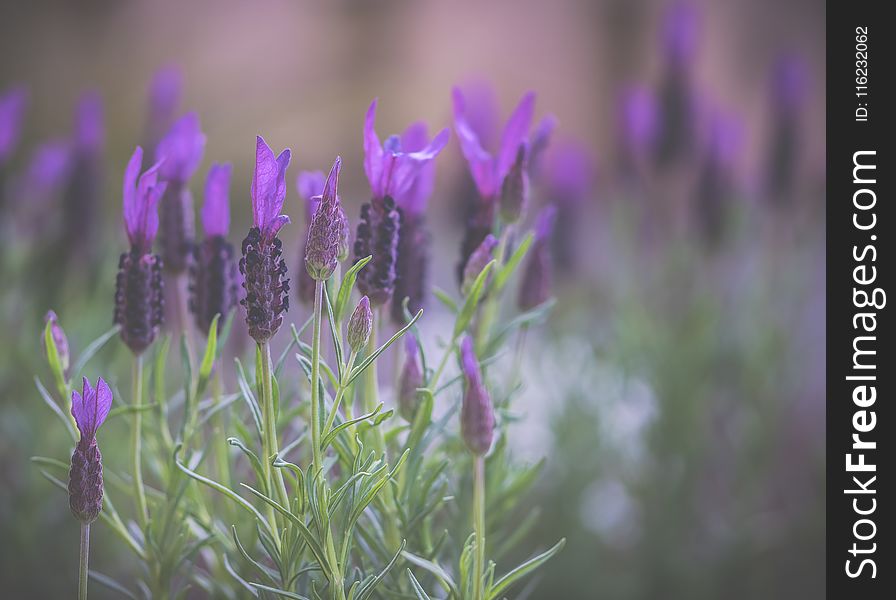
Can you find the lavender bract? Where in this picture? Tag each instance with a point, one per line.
(85, 488)
(182, 148)
(326, 230)
(488, 171)
(536, 284)
(477, 416)
(138, 290)
(310, 185)
(262, 265)
(393, 173)
(214, 278)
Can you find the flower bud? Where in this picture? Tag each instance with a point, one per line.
(477, 262)
(515, 189)
(477, 416)
(59, 340)
(326, 231)
(410, 380)
(360, 325)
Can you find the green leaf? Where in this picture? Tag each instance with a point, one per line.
(110, 583)
(91, 350)
(48, 400)
(345, 289)
(336, 333)
(440, 574)
(246, 389)
(131, 409)
(472, 301)
(367, 589)
(369, 360)
(418, 589)
(524, 569)
(208, 359)
(510, 266)
(253, 458)
(443, 297)
(346, 424)
(278, 591)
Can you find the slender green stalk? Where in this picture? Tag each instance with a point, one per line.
(84, 556)
(479, 526)
(433, 382)
(371, 385)
(136, 441)
(315, 375)
(340, 394)
(490, 307)
(269, 442)
(221, 457)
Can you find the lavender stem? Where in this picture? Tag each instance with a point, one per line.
(136, 441)
(269, 443)
(315, 375)
(479, 525)
(84, 556)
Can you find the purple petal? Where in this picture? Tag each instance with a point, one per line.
(129, 192)
(680, 31)
(481, 111)
(103, 402)
(91, 407)
(182, 147)
(479, 161)
(216, 210)
(373, 153)
(414, 137)
(570, 172)
(329, 195)
(12, 109)
(544, 223)
(515, 133)
(89, 123)
(409, 167)
(310, 184)
(269, 188)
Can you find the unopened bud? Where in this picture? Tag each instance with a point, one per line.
(360, 325)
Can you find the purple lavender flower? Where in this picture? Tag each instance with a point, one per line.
(409, 381)
(413, 236)
(638, 125)
(570, 175)
(164, 100)
(488, 171)
(310, 185)
(789, 83)
(360, 325)
(537, 281)
(214, 278)
(681, 27)
(46, 174)
(262, 265)
(85, 485)
(84, 188)
(541, 138)
(515, 189)
(393, 172)
(12, 110)
(716, 179)
(477, 416)
(59, 339)
(480, 257)
(138, 290)
(327, 229)
(182, 148)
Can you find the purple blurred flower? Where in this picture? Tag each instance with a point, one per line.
(85, 488)
(477, 262)
(310, 185)
(263, 267)
(790, 82)
(541, 138)
(182, 148)
(409, 381)
(638, 125)
(213, 286)
(477, 416)
(89, 130)
(681, 27)
(537, 280)
(327, 227)
(12, 111)
(717, 177)
(570, 175)
(84, 189)
(47, 172)
(164, 101)
(515, 189)
(789, 86)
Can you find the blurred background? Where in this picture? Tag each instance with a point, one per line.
(677, 391)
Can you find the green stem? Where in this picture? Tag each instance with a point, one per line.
(220, 426)
(490, 308)
(479, 526)
(371, 386)
(442, 363)
(136, 441)
(269, 442)
(84, 555)
(340, 393)
(315, 375)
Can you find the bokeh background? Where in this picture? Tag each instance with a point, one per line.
(677, 391)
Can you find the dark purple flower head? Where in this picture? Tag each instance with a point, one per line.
(515, 188)
(59, 339)
(681, 27)
(85, 487)
(216, 209)
(360, 325)
(327, 229)
(537, 280)
(488, 171)
(409, 381)
(141, 198)
(392, 168)
(269, 189)
(89, 131)
(477, 416)
(12, 111)
(477, 262)
(182, 148)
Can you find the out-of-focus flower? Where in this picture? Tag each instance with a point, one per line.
(310, 185)
(638, 124)
(541, 138)
(488, 171)
(326, 230)
(570, 174)
(12, 111)
(480, 257)
(717, 178)
(138, 289)
(409, 381)
(515, 189)
(164, 102)
(537, 281)
(214, 279)
(59, 339)
(182, 149)
(477, 415)
(360, 325)
(394, 173)
(85, 485)
(84, 189)
(681, 28)
(47, 172)
(262, 265)
(789, 84)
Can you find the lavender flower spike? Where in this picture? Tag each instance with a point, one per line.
(164, 99)
(310, 185)
(535, 287)
(360, 325)
(182, 148)
(264, 270)
(12, 109)
(393, 172)
(138, 289)
(480, 257)
(515, 189)
(85, 487)
(327, 228)
(213, 286)
(477, 416)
